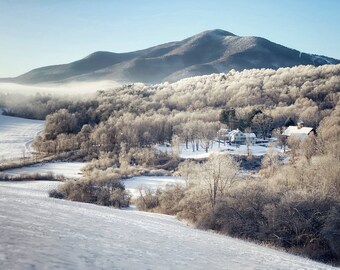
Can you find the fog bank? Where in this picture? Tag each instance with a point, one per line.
(71, 88)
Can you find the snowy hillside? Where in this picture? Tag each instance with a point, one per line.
(16, 135)
(38, 232)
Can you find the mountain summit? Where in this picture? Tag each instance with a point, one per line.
(213, 51)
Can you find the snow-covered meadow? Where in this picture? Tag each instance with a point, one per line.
(256, 150)
(16, 136)
(38, 232)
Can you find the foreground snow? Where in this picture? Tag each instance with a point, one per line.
(16, 136)
(67, 169)
(38, 232)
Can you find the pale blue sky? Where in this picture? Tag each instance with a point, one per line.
(35, 33)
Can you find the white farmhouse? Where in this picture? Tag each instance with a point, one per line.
(250, 138)
(238, 137)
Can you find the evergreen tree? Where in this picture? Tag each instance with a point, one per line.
(228, 117)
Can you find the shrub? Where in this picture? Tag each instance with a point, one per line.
(103, 190)
(148, 199)
(330, 230)
(300, 222)
(169, 199)
(165, 201)
(54, 193)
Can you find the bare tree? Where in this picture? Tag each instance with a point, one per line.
(308, 147)
(124, 159)
(218, 175)
(176, 148)
(294, 143)
(270, 161)
(188, 170)
(207, 134)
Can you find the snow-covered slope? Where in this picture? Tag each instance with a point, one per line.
(16, 135)
(38, 232)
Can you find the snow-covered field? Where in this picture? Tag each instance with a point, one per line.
(38, 232)
(153, 182)
(256, 150)
(16, 136)
(67, 169)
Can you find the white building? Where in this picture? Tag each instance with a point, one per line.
(250, 137)
(238, 137)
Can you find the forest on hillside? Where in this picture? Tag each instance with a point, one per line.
(140, 115)
(294, 205)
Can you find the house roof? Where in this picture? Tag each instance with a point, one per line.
(295, 130)
(235, 131)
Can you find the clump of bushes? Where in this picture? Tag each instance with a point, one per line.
(306, 224)
(164, 201)
(31, 176)
(106, 190)
(302, 223)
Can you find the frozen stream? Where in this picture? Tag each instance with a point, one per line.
(152, 182)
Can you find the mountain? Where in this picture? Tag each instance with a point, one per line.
(213, 51)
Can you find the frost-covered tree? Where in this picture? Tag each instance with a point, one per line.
(262, 124)
(217, 176)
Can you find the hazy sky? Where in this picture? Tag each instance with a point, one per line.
(35, 33)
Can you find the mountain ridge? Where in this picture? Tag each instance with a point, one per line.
(212, 51)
